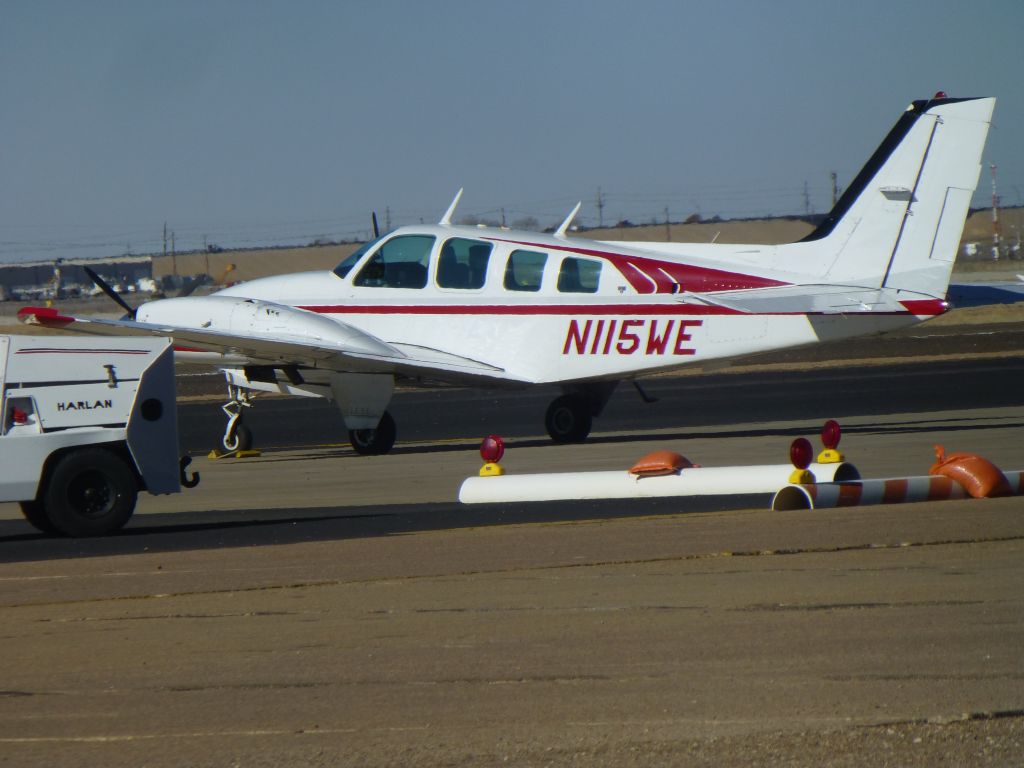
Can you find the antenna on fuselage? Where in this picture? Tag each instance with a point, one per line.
(560, 232)
(376, 229)
(446, 220)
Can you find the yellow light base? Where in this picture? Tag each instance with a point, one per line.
(830, 456)
(801, 477)
(491, 469)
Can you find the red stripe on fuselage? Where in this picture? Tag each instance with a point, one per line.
(556, 310)
(628, 310)
(665, 275)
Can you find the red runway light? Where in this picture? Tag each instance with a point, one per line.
(801, 453)
(830, 434)
(492, 449)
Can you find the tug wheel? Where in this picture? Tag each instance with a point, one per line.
(36, 516)
(89, 492)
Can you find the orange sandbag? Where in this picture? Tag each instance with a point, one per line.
(979, 477)
(660, 463)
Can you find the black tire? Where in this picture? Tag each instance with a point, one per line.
(568, 419)
(89, 492)
(374, 442)
(36, 516)
(239, 439)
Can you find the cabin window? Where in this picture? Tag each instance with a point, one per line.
(353, 258)
(579, 275)
(525, 270)
(401, 262)
(463, 263)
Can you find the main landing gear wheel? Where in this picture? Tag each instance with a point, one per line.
(569, 419)
(374, 442)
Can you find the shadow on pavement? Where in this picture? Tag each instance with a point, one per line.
(267, 527)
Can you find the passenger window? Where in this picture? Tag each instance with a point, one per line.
(579, 275)
(525, 270)
(401, 262)
(463, 263)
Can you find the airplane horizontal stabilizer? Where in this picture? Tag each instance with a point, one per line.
(820, 300)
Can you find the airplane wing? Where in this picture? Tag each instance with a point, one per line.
(324, 344)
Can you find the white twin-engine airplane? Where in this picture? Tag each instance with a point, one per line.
(498, 307)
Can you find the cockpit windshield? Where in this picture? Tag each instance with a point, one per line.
(353, 258)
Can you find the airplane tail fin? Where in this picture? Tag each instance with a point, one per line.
(898, 225)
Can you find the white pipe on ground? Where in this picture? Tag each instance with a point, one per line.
(620, 484)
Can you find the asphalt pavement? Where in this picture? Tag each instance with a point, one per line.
(315, 607)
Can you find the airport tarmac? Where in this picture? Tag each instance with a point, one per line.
(313, 607)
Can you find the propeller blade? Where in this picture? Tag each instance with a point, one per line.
(376, 229)
(188, 288)
(102, 285)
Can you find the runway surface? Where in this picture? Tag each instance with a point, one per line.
(314, 607)
(684, 402)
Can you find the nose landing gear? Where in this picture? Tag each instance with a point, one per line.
(237, 436)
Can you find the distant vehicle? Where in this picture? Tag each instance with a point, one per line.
(509, 308)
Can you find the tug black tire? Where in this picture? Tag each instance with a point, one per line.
(89, 492)
(36, 516)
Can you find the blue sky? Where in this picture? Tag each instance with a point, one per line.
(262, 123)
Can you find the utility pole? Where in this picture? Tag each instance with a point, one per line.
(387, 219)
(995, 216)
(165, 239)
(600, 208)
(835, 188)
(174, 257)
(807, 201)
(668, 229)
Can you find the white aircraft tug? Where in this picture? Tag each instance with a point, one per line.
(87, 423)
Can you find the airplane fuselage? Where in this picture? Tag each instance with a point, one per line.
(572, 312)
